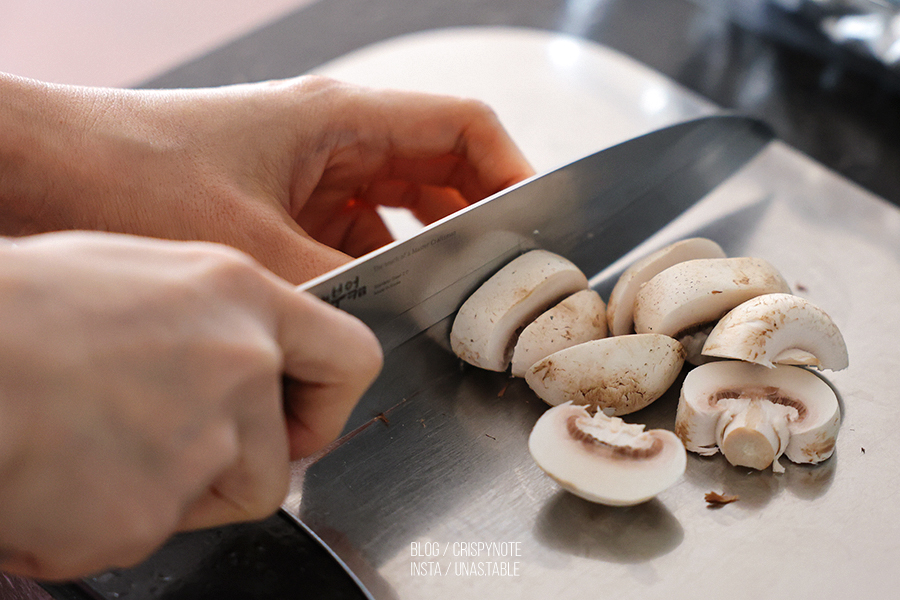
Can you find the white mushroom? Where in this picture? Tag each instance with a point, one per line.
(685, 300)
(579, 318)
(602, 458)
(754, 414)
(618, 375)
(620, 310)
(779, 328)
(487, 325)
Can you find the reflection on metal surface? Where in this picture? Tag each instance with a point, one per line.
(634, 534)
(451, 464)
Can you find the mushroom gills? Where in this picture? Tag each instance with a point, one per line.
(754, 414)
(487, 325)
(603, 459)
(779, 328)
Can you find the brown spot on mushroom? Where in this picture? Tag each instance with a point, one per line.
(544, 369)
(820, 448)
(614, 450)
(683, 431)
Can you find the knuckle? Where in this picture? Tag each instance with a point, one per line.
(479, 109)
(145, 530)
(371, 357)
(231, 269)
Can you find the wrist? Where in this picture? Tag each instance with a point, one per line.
(45, 154)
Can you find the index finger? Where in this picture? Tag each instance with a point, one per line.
(330, 359)
(447, 141)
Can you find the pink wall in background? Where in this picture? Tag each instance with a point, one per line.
(121, 43)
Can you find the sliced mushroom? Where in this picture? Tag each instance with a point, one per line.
(754, 414)
(779, 328)
(685, 300)
(579, 318)
(487, 325)
(603, 459)
(620, 311)
(618, 375)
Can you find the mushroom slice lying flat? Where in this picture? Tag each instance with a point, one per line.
(579, 318)
(685, 300)
(779, 328)
(754, 414)
(602, 458)
(620, 311)
(617, 375)
(487, 325)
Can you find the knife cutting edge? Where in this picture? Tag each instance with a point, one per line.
(624, 193)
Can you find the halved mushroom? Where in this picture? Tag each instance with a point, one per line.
(603, 459)
(620, 310)
(779, 328)
(754, 414)
(579, 318)
(487, 325)
(618, 375)
(685, 300)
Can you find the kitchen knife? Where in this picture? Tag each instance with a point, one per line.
(591, 211)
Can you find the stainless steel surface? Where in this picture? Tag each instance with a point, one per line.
(449, 462)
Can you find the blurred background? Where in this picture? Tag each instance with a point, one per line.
(823, 73)
(113, 43)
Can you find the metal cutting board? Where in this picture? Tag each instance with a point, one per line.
(446, 464)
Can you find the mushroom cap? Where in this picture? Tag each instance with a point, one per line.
(579, 318)
(485, 329)
(603, 459)
(697, 292)
(779, 328)
(620, 310)
(708, 391)
(618, 374)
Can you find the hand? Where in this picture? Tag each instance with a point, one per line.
(141, 394)
(290, 171)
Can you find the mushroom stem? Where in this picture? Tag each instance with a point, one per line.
(753, 433)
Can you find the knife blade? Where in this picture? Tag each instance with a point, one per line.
(620, 196)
